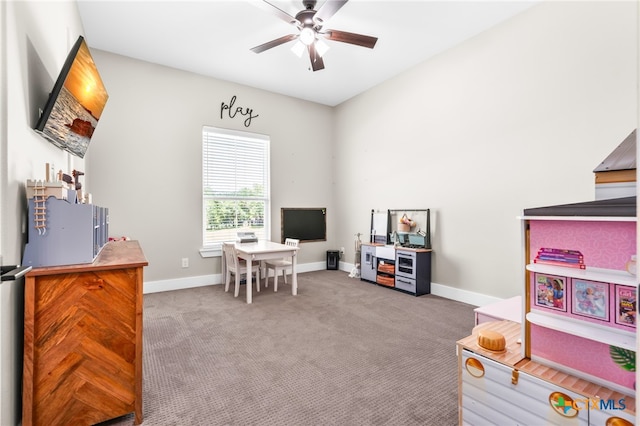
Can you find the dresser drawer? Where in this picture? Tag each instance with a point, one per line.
(406, 284)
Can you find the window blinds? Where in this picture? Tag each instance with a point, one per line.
(235, 184)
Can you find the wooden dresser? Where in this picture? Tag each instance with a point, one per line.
(83, 339)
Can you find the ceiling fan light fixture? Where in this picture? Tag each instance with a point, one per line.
(298, 48)
(311, 34)
(321, 47)
(307, 35)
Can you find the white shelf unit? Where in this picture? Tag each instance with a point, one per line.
(589, 273)
(570, 325)
(610, 336)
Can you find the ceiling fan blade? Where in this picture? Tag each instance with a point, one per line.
(273, 43)
(327, 10)
(316, 60)
(275, 10)
(352, 38)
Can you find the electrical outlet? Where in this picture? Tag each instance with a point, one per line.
(185, 262)
(341, 249)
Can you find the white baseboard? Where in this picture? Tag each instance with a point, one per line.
(181, 283)
(464, 296)
(205, 280)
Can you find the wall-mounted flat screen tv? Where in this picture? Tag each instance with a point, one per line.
(75, 104)
(304, 224)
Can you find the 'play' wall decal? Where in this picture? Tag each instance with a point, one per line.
(239, 110)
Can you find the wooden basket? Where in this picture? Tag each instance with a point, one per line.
(386, 281)
(389, 268)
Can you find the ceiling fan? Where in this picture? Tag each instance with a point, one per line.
(311, 34)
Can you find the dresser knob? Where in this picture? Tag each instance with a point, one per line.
(95, 284)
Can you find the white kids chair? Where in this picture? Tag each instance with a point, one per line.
(237, 268)
(279, 265)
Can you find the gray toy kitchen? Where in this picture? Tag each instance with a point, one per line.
(398, 254)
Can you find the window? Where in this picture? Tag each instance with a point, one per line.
(235, 185)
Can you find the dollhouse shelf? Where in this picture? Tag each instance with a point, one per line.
(612, 276)
(610, 336)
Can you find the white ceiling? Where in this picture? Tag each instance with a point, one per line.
(213, 38)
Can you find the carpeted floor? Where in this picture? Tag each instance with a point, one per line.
(342, 352)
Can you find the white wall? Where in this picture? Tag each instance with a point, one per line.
(467, 134)
(8, 356)
(34, 41)
(146, 160)
(39, 37)
(517, 117)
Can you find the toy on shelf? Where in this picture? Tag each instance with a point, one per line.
(64, 227)
(405, 224)
(560, 257)
(40, 208)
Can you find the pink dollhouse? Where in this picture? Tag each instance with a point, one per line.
(570, 358)
(589, 329)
